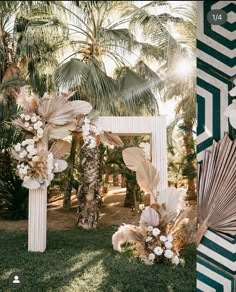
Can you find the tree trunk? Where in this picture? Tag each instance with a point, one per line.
(116, 179)
(188, 142)
(70, 169)
(89, 189)
(106, 180)
(123, 182)
(130, 194)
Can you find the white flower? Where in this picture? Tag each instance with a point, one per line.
(39, 135)
(175, 260)
(29, 148)
(38, 125)
(170, 238)
(158, 250)
(156, 231)
(151, 257)
(168, 245)
(141, 206)
(22, 116)
(23, 171)
(33, 119)
(27, 118)
(24, 143)
(18, 147)
(163, 238)
(23, 154)
(30, 128)
(26, 124)
(40, 131)
(35, 138)
(168, 254)
(149, 238)
(29, 156)
(150, 228)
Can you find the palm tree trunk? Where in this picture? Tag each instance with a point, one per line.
(70, 169)
(116, 179)
(130, 194)
(89, 189)
(188, 142)
(106, 180)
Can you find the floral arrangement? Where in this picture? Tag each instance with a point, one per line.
(51, 117)
(164, 229)
(90, 131)
(158, 247)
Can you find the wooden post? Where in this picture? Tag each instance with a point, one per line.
(37, 221)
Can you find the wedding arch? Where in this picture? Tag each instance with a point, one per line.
(153, 125)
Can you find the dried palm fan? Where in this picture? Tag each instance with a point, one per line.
(132, 157)
(109, 138)
(59, 148)
(171, 202)
(149, 217)
(217, 189)
(126, 233)
(148, 178)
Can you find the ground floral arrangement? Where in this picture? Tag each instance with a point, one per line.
(164, 228)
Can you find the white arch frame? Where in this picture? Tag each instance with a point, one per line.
(154, 125)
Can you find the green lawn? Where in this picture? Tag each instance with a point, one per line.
(84, 261)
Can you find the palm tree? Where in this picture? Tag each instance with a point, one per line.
(173, 31)
(97, 39)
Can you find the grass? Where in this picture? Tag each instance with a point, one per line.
(78, 260)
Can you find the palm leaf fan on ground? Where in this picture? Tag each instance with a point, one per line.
(217, 189)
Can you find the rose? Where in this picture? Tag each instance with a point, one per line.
(163, 238)
(168, 245)
(168, 254)
(158, 250)
(156, 231)
(149, 228)
(170, 238)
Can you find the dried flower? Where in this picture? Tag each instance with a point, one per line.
(170, 238)
(149, 238)
(175, 260)
(151, 257)
(150, 228)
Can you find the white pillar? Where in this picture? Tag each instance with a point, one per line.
(37, 221)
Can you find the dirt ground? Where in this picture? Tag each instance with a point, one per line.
(112, 212)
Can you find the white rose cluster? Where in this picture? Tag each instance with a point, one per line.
(89, 133)
(26, 149)
(33, 124)
(159, 247)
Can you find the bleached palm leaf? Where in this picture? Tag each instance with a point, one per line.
(147, 177)
(171, 201)
(132, 157)
(149, 217)
(31, 184)
(81, 107)
(217, 188)
(111, 139)
(56, 110)
(59, 165)
(55, 132)
(60, 148)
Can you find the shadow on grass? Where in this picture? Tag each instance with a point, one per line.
(78, 260)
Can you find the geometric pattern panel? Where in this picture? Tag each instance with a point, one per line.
(216, 69)
(219, 249)
(210, 278)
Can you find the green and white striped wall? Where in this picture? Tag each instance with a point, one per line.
(216, 69)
